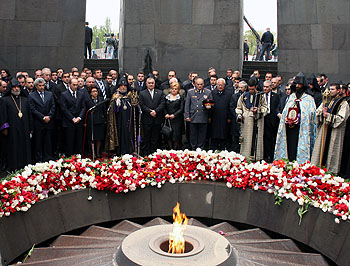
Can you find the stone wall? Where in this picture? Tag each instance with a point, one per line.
(184, 35)
(36, 34)
(314, 37)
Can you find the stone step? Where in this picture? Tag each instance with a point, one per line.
(40, 254)
(86, 260)
(263, 67)
(256, 234)
(104, 64)
(274, 244)
(223, 227)
(97, 231)
(127, 226)
(278, 257)
(195, 222)
(247, 262)
(156, 221)
(107, 260)
(66, 240)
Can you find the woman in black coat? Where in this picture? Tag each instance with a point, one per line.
(98, 120)
(174, 108)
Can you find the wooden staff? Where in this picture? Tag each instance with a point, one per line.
(325, 101)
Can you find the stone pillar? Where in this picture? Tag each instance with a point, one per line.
(45, 33)
(184, 35)
(314, 37)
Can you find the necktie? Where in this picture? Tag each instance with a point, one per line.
(267, 99)
(74, 95)
(103, 90)
(42, 96)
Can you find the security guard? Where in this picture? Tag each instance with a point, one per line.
(197, 113)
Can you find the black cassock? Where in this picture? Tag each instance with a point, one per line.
(220, 129)
(18, 138)
(126, 125)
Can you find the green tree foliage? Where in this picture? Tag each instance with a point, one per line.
(251, 40)
(100, 31)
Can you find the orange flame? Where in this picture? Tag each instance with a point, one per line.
(176, 238)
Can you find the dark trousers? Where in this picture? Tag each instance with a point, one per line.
(270, 134)
(42, 144)
(269, 147)
(74, 139)
(188, 134)
(235, 144)
(219, 144)
(198, 134)
(3, 151)
(245, 56)
(58, 137)
(292, 141)
(151, 133)
(87, 49)
(266, 47)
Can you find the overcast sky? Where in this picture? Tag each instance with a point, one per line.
(255, 11)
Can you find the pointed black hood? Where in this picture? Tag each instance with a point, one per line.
(313, 81)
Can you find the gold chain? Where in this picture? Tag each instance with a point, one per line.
(20, 114)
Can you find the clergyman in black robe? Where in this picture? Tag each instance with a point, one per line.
(16, 126)
(123, 122)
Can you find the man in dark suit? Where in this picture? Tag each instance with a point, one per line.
(245, 50)
(266, 41)
(283, 100)
(29, 86)
(192, 84)
(271, 121)
(229, 78)
(212, 83)
(236, 126)
(152, 105)
(46, 75)
(102, 85)
(221, 116)
(166, 84)
(88, 40)
(110, 87)
(58, 130)
(256, 75)
(42, 107)
(73, 112)
(156, 77)
(211, 72)
(140, 83)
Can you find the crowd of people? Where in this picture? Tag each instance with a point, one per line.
(61, 113)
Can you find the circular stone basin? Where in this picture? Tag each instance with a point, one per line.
(149, 246)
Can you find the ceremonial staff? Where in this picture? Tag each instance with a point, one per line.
(255, 127)
(325, 100)
(134, 100)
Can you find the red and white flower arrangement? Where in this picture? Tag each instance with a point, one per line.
(305, 184)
